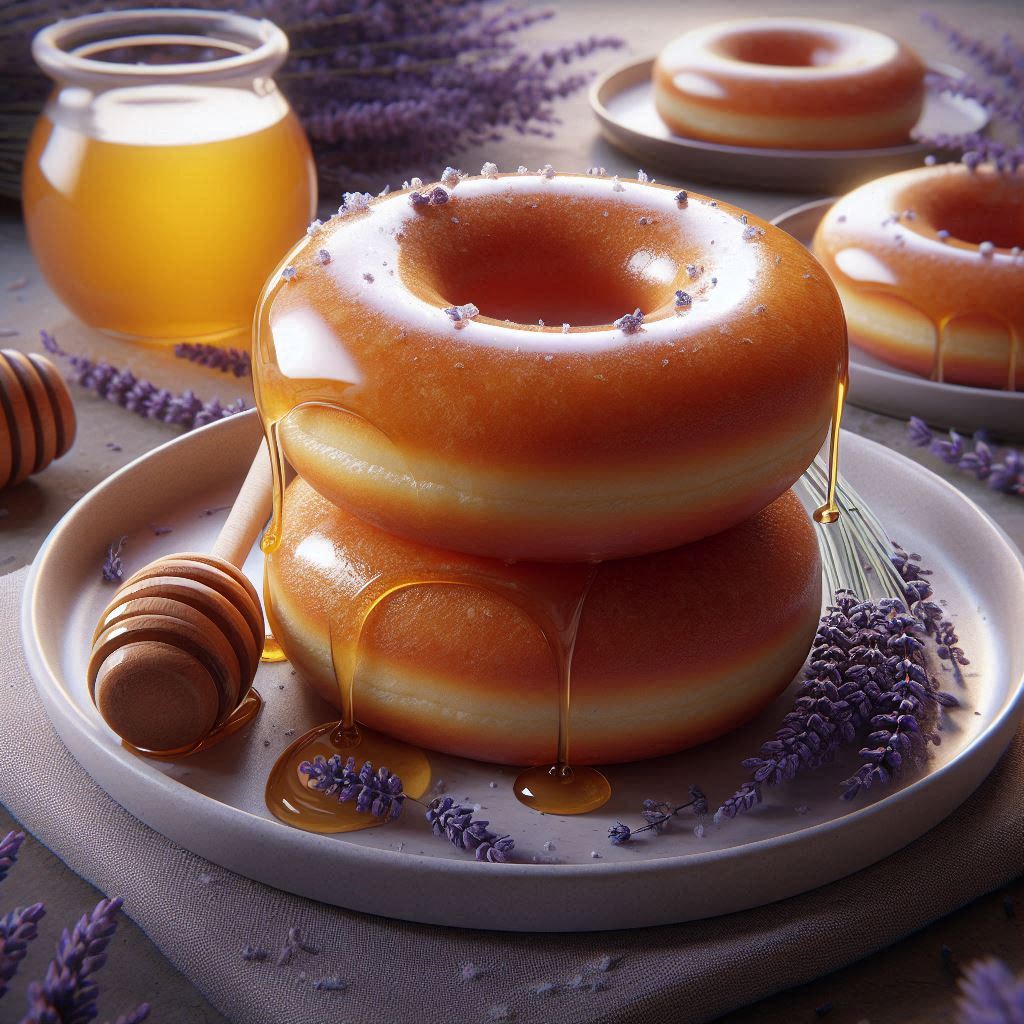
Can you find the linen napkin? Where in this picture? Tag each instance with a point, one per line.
(215, 926)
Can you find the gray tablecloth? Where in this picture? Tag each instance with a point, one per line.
(203, 918)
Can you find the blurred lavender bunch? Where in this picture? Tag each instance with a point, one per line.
(869, 673)
(123, 388)
(68, 992)
(379, 792)
(998, 89)
(381, 86)
(990, 993)
(1006, 475)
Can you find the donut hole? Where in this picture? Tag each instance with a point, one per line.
(787, 48)
(986, 215)
(542, 258)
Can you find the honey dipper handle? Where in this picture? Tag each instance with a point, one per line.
(249, 514)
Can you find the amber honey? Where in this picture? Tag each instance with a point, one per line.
(161, 215)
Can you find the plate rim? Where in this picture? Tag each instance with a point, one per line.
(67, 716)
(906, 149)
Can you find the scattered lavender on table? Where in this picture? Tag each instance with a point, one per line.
(1001, 66)
(113, 564)
(67, 995)
(867, 669)
(456, 824)
(990, 993)
(1006, 475)
(658, 817)
(123, 388)
(18, 928)
(9, 847)
(227, 360)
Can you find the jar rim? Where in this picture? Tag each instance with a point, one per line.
(261, 46)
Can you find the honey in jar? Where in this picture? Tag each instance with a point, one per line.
(158, 197)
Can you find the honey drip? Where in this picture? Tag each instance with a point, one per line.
(248, 708)
(554, 606)
(273, 653)
(829, 512)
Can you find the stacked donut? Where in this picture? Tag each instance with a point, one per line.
(506, 379)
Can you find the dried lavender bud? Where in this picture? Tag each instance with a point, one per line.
(333, 984)
(682, 198)
(227, 360)
(289, 274)
(377, 792)
(323, 257)
(113, 565)
(750, 232)
(460, 314)
(630, 323)
(547, 172)
(123, 388)
(619, 834)
(1006, 476)
(136, 1016)
(17, 930)
(68, 992)
(456, 824)
(9, 847)
(990, 993)
(684, 300)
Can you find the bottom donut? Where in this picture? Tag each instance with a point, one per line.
(672, 649)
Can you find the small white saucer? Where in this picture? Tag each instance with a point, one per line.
(623, 101)
(876, 385)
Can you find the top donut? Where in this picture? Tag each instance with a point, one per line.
(789, 83)
(549, 366)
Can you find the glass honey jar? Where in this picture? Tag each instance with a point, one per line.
(167, 174)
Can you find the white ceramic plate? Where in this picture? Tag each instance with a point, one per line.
(875, 385)
(623, 101)
(801, 838)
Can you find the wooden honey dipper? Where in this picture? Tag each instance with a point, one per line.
(176, 651)
(37, 418)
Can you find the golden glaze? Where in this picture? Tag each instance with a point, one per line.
(791, 83)
(940, 308)
(507, 438)
(667, 653)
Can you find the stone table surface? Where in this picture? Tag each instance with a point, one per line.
(908, 983)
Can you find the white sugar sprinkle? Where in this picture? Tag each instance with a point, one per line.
(596, 172)
(986, 249)
(489, 170)
(522, 169)
(547, 172)
(565, 328)
(450, 177)
(641, 176)
(314, 227)
(617, 185)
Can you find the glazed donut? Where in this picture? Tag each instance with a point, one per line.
(929, 267)
(667, 654)
(543, 422)
(789, 83)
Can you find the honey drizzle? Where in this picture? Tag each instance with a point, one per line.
(556, 788)
(829, 512)
(273, 652)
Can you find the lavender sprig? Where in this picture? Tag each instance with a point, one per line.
(658, 816)
(67, 995)
(227, 360)
(1006, 476)
(998, 90)
(10, 845)
(867, 668)
(456, 824)
(123, 388)
(377, 792)
(990, 993)
(17, 930)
